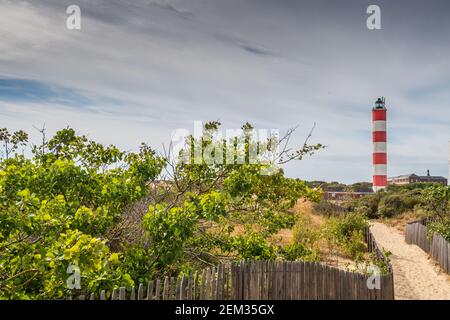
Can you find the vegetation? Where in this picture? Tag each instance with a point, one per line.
(304, 244)
(336, 186)
(329, 209)
(347, 232)
(391, 202)
(437, 203)
(77, 216)
(337, 239)
(427, 199)
(73, 209)
(56, 208)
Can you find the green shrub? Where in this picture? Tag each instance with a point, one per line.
(441, 227)
(367, 205)
(388, 203)
(55, 210)
(355, 246)
(254, 246)
(304, 234)
(297, 251)
(343, 227)
(348, 233)
(327, 208)
(303, 246)
(436, 201)
(67, 204)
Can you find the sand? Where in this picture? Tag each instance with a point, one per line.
(416, 276)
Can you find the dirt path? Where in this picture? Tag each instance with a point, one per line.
(415, 275)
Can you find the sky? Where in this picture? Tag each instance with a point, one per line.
(138, 70)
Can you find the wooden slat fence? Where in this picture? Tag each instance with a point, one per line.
(264, 280)
(439, 249)
(282, 280)
(372, 246)
(259, 280)
(211, 284)
(416, 233)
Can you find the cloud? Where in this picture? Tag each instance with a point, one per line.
(245, 45)
(144, 68)
(167, 6)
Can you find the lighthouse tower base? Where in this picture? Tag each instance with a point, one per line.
(376, 189)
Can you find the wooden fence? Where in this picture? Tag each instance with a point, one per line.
(304, 281)
(260, 280)
(416, 233)
(439, 249)
(210, 284)
(264, 280)
(372, 246)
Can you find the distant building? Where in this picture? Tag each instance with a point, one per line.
(414, 178)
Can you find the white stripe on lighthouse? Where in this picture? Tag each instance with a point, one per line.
(379, 169)
(379, 147)
(379, 125)
(378, 188)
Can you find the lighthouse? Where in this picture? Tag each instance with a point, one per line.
(379, 140)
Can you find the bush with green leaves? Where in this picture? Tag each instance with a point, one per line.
(299, 252)
(348, 232)
(232, 208)
(253, 245)
(393, 201)
(367, 205)
(76, 203)
(436, 201)
(390, 205)
(56, 208)
(441, 227)
(304, 234)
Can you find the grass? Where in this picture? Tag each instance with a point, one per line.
(328, 254)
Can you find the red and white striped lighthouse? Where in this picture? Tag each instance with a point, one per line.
(379, 139)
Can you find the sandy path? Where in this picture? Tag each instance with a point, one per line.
(415, 275)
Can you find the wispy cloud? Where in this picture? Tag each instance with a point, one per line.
(246, 45)
(138, 70)
(168, 6)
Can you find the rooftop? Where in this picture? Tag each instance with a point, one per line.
(413, 175)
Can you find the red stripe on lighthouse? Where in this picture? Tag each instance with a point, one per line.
(379, 136)
(379, 158)
(378, 115)
(380, 181)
